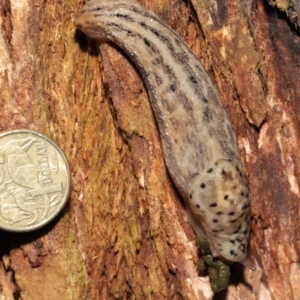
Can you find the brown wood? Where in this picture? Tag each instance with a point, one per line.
(124, 233)
(291, 9)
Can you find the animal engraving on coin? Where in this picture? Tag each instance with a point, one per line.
(34, 180)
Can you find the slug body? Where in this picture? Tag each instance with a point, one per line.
(199, 144)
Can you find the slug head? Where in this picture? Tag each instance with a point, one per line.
(220, 199)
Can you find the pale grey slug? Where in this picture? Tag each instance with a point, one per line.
(199, 145)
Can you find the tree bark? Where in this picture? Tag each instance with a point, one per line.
(124, 233)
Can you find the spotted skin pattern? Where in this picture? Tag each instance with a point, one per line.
(199, 144)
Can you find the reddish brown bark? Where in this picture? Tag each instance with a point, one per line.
(124, 232)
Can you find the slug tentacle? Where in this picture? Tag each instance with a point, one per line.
(199, 144)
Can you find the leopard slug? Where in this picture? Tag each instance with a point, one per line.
(199, 145)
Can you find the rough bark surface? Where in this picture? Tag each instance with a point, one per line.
(124, 233)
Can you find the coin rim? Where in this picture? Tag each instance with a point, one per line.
(68, 187)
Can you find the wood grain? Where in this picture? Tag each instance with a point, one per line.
(124, 233)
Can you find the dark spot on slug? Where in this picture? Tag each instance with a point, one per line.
(223, 172)
(142, 24)
(213, 204)
(215, 220)
(146, 42)
(242, 194)
(174, 122)
(172, 50)
(111, 24)
(238, 229)
(233, 221)
(119, 27)
(231, 213)
(238, 240)
(191, 196)
(202, 185)
(197, 205)
(121, 16)
(193, 79)
(231, 252)
(157, 61)
(182, 98)
(241, 174)
(205, 99)
(230, 151)
(158, 79)
(178, 42)
(232, 241)
(237, 168)
(217, 230)
(209, 170)
(172, 88)
(225, 197)
(155, 32)
(169, 70)
(207, 115)
(219, 213)
(95, 9)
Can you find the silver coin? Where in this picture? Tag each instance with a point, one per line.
(34, 180)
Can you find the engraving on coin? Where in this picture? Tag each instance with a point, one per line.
(34, 180)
